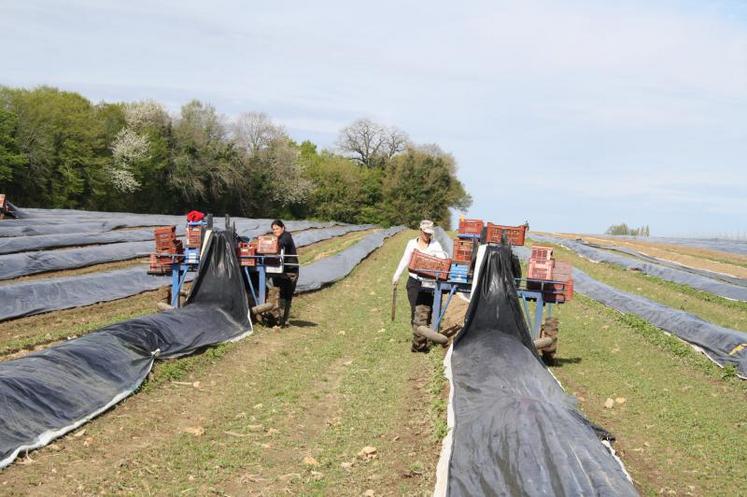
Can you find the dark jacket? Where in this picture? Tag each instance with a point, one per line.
(285, 242)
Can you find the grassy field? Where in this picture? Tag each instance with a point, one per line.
(715, 309)
(288, 412)
(682, 427)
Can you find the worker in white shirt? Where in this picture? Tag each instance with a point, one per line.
(421, 301)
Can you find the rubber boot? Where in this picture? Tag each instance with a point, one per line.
(278, 312)
(286, 312)
(420, 343)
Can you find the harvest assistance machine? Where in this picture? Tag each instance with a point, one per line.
(259, 258)
(548, 281)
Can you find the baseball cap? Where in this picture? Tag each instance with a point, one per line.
(426, 226)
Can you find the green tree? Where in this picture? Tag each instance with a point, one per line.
(11, 159)
(421, 183)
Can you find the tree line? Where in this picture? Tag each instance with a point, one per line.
(59, 150)
(624, 229)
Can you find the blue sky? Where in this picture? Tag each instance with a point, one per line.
(573, 115)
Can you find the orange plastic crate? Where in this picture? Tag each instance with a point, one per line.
(194, 237)
(267, 244)
(159, 265)
(514, 234)
(247, 250)
(429, 266)
(540, 253)
(470, 226)
(538, 270)
(463, 251)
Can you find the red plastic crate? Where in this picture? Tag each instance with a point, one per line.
(562, 271)
(514, 234)
(194, 237)
(463, 251)
(470, 226)
(172, 246)
(538, 270)
(159, 265)
(164, 231)
(247, 249)
(540, 253)
(267, 244)
(429, 266)
(562, 289)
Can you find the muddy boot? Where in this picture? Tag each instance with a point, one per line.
(286, 308)
(278, 312)
(422, 315)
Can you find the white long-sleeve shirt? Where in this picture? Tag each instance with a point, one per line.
(434, 248)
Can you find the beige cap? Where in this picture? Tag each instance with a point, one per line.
(426, 226)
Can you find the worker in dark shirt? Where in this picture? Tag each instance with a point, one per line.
(286, 281)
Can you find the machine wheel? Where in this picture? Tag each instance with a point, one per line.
(550, 329)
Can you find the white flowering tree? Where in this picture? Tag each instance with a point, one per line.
(128, 150)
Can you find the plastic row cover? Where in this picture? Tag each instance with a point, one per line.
(693, 279)
(722, 345)
(47, 394)
(44, 222)
(27, 263)
(52, 294)
(444, 240)
(50, 393)
(515, 431)
(334, 268)
(733, 280)
(720, 244)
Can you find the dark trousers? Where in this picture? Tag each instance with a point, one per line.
(286, 283)
(421, 306)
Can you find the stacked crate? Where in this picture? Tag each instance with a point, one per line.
(541, 263)
(553, 278)
(470, 228)
(268, 244)
(561, 290)
(246, 252)
(462, 260)
(459, 273)
(167, 248)
(194, 237)
(431, 267)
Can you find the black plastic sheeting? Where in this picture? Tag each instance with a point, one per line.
(732, 280)
(10, 245)
(693, 279)
(34, 262)
(722, 345)
(27, 263)
(52, 294)
(516, 432)
(47, 394)
(330, 269)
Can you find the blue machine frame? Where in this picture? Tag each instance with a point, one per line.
(526, 296)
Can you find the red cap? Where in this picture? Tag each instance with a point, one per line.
(194, 216)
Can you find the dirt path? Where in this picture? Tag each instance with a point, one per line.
(240, 419)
